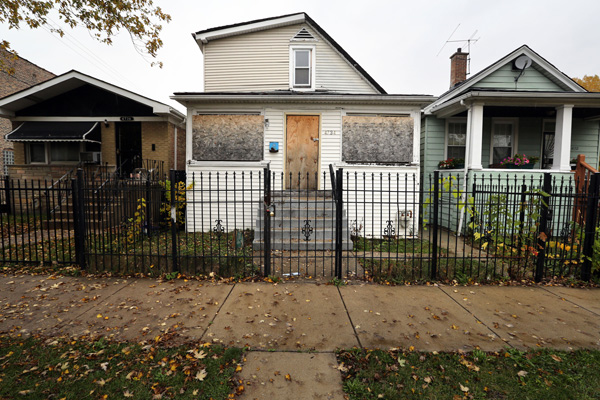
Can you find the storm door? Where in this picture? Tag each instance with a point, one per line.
(129, 146)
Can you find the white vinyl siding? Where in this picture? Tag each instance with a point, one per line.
(259, 61)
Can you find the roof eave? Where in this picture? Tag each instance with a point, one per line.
(202, 98)
(449, 108)
(157, 107)
(203, 37)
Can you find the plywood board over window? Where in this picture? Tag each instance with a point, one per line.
(377, 139)
(227, 137)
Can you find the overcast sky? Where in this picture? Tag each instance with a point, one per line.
(396, 42)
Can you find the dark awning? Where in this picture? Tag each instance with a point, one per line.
(56, 132)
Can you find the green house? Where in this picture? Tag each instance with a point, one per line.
(520, 104)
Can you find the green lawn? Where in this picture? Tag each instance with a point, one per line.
(98, 369)
(538, 374)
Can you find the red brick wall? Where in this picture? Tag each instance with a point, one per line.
(25, 74)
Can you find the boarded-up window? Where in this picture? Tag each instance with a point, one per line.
(377, 139)
(227, 137)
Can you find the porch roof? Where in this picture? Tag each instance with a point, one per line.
(291, 96)
(55, 132)
(512, 98)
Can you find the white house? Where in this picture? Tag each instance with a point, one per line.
(281, 91)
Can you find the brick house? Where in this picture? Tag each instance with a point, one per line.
(75, 118)
(16, 74)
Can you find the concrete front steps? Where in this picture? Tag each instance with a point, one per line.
(302, 222)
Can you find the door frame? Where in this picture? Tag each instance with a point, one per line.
(303, 114)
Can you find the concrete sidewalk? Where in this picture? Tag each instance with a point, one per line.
(295, 326)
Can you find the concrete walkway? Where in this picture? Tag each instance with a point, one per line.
(293, 328)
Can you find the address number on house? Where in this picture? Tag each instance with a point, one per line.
(330, 132)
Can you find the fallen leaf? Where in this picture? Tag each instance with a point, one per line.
(101, 382)
(556, 358)
(200, 375)
(104, 366)
(127, 393)
(288, 377)
(522, 373)
(463, 388)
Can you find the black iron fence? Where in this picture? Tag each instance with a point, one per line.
(385, 225)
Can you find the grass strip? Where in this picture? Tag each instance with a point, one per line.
(512, 374)
(35, 368)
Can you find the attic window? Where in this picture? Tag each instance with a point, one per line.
(302, 67)
(303, 34)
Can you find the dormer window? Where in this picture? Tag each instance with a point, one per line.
(302, 72)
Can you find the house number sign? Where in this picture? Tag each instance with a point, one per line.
(330, 132)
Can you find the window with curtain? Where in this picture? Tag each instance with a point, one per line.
(502, 141)
(64, 152)
(457, 139)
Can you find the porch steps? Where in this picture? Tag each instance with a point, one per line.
(302, 222)
(98, 215)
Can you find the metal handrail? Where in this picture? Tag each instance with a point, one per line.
(333, 182)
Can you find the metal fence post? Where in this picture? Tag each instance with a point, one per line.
(339, 216)
(434, 243)
(267, 221)
(542, 239)
(173, 222)
(590, 226)
(77, 186)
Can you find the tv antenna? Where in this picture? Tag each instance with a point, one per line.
(468, 42)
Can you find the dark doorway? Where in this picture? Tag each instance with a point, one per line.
(129, 146)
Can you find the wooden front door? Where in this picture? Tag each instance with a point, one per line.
(302, 151)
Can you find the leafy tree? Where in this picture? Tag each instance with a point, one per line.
(104, 19)
(589, 82)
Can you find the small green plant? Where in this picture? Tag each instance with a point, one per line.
(180, 203)
(273, 279)
(450, 185)
(338, 282)
(135, 225)
(171, 275)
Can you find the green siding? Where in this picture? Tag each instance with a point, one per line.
(584, 140)
(504, 78)
(433, 148)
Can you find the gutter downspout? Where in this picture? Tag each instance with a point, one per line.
(175, 149)
(467, 162)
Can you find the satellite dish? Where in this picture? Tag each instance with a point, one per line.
(523, 62)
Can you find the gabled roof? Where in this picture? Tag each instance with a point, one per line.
(548, 69)
(205, 36)
(69, 81)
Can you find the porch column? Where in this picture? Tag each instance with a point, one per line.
(475, 135)
(562, 138)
